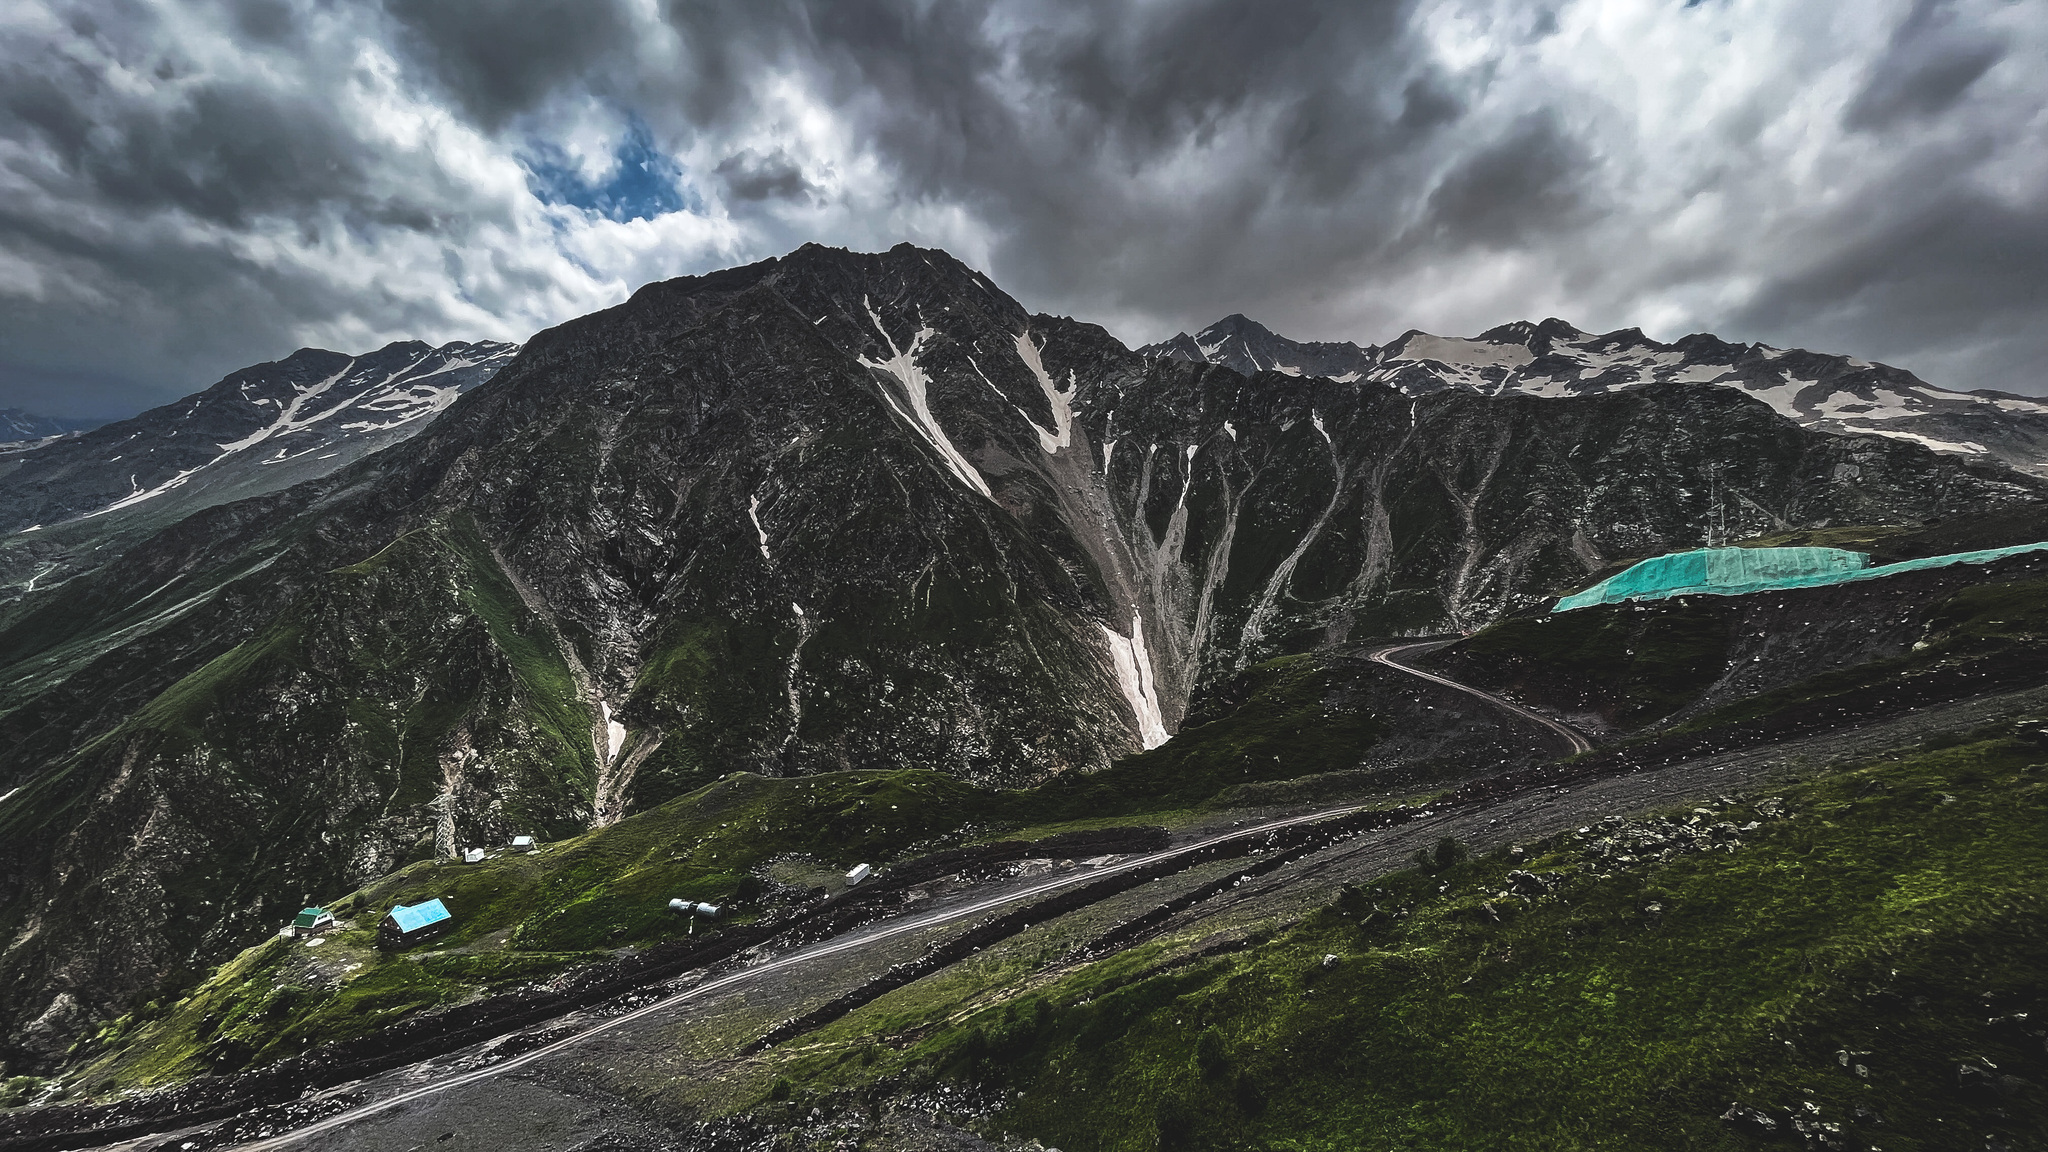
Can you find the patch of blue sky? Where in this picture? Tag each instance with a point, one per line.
(644, 182)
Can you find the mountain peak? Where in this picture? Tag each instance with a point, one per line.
(18, 425)
(1243, 344)
(1513, 332)
(1236, 324)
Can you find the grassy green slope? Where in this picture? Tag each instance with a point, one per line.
(321, 732)
(1286, 718)
(1635, 667)
(1890, 920)
(577, 900)
(519, 916)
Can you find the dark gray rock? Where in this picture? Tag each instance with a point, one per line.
(1749, 1121)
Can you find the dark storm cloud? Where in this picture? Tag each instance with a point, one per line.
(1931, 62)
(1294, 120)
(1532, 179)
(192, 186)
(750, 176)
(269, 21)
(224, 153)
(1955, 273)
(497, 58)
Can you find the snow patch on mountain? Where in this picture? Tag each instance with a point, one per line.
(754, 514)
(902, 364)
(1062, 433)
(1462, 353)
(1782, 396)
(1965, 447)
(140, 494)
(1846, 405)
(258, 430)
(288, 419)
(614, 733)
(1133, 667)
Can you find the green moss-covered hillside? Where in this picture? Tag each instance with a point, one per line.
(1287, 718)
(519, 916)
(1860, 955)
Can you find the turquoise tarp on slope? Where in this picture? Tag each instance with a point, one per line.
(1736, 571)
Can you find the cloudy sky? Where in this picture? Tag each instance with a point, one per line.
(186, 188)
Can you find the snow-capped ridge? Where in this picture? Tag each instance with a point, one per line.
(1555, 359)
(263, 428)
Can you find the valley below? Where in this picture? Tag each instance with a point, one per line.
(839, 709)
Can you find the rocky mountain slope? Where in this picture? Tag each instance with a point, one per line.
(1554, 359)
(832, 511)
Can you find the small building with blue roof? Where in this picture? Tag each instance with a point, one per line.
(407, 925)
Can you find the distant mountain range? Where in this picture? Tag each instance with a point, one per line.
(258, 430)
(1555, 359)
(21, 429)
(72, 502)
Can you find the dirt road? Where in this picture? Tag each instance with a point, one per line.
(814, 954)
(1391, 658)
(891, 929)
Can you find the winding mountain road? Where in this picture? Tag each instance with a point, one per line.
(1390, 657)
(806, 955)
(887, 930)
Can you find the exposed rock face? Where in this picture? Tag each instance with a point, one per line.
(829, 511)
(1555, 359)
